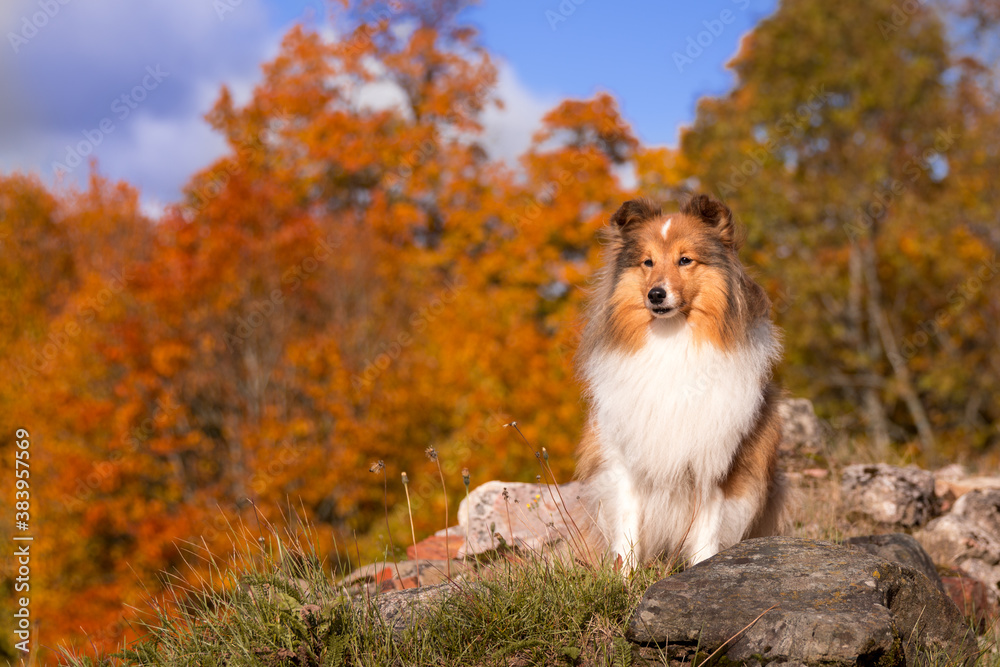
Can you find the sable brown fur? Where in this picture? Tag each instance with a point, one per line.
(691, 256)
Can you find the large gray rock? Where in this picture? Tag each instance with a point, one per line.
(889, 494)
(530, 516)
(899, 548)
(818, 603)
(968, 537)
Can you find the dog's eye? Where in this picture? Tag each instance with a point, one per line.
(648, 262)
(684, 261)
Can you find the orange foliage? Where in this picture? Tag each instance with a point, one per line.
(357, 280)
(352, 281)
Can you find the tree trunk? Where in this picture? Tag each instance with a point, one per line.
(871, 403)
(891, 348)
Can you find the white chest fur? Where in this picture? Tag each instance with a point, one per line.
(675, 407)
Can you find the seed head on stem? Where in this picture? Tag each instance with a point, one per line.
(413, 533)
(468, 511)
(433, 456)
(510, 525)
(379, 467)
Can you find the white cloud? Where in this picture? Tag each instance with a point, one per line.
(66, 76)
(164, 151)
(507, 131)
(69, 62)
(627, 175)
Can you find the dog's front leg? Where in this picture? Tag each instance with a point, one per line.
(628, 513)
(706, 526)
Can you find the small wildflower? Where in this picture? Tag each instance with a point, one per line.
(538, 479)
(506, 496)
(431, 453)
(465, 476)
(545, 454)
(378, 466)
(406, 480)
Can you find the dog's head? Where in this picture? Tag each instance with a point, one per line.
(669, 264)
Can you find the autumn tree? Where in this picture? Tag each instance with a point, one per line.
(358, 279)
(838, 145)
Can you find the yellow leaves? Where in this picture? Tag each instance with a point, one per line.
(910, 247)
(657, 170)
(970, 248)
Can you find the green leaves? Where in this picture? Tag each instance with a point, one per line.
(842, 135)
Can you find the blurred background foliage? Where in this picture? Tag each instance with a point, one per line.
(355, 282)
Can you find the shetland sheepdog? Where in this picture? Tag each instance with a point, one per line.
(679, 454)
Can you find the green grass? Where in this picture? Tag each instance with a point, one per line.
(276, 605)
(273, 606)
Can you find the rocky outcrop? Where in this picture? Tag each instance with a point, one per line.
(444, 544)
(388, 576)
(976, 600)
(899, 548)
(954, 481)
(852, 604)
(785, 600)
(890, 494)
(405, 609)
(968, 538)
(800, 428)
(525, 516)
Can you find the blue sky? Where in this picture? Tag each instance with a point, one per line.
(128, 81)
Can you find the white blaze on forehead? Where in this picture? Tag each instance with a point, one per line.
(666, 227)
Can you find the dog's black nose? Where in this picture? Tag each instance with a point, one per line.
(657, 295)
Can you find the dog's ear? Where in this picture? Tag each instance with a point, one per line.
(633, 212)
(716, 215)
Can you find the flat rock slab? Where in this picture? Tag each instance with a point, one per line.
(387, 576)
(952, 482)
(437, 547)
(529, 516)
(818, 603)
